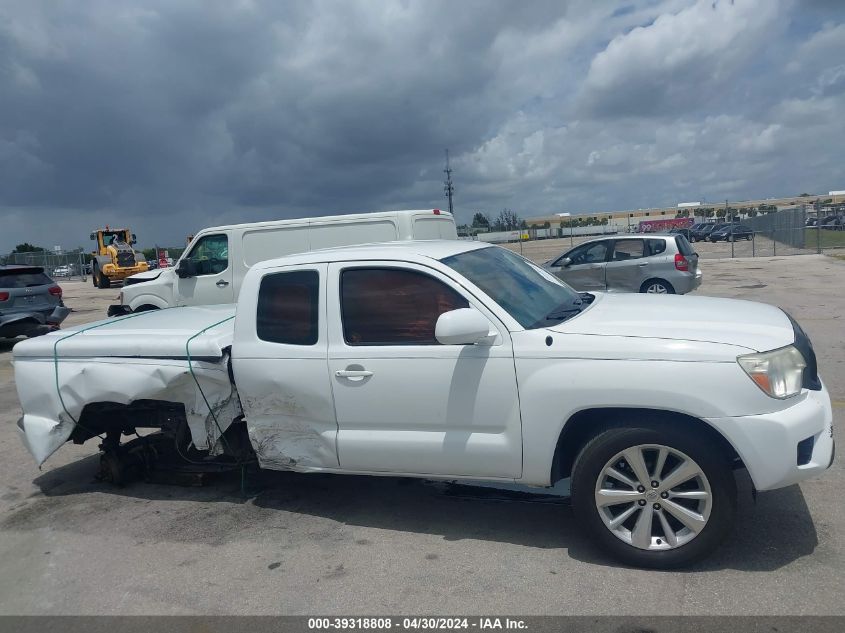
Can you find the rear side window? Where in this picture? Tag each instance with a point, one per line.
(390, 306)
(627, 249)
(655, 247)
(684, 247)
(288, 306)
(26, 279)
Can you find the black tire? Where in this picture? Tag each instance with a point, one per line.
(651, 282)
(710, 457)
(100, 280)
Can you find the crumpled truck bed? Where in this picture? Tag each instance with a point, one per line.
(141, 356)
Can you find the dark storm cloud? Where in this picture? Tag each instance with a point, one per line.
(172, 116)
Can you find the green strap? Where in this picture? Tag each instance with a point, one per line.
(196, 380)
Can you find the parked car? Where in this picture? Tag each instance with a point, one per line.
(686, 232)
(658, 264)
(30, 302)
(703, 230)
(833, 223)
(62, 271)
(454, 360)
(731, 233)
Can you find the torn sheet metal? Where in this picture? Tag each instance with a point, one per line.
(87, 373)
(289, 413)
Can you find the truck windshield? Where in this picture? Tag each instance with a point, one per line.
(529, 294)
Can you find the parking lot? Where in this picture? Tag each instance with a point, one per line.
(285, 543)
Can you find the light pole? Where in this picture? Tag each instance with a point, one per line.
(567, 215)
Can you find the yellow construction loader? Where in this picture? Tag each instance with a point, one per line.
(114, 259)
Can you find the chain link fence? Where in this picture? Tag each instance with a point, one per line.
(59, 266)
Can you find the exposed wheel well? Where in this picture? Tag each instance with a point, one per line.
(146, 308)
(586, 424)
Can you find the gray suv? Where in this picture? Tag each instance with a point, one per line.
(661, 264)
(30, 302)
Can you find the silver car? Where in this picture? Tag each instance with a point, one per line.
(662, 264)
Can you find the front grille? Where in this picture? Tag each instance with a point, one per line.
(802, 344)
(125, 260)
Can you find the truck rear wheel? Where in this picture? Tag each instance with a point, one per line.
(654, 496)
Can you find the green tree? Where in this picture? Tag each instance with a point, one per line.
(480, 220)
(507, 220)
(26, 247)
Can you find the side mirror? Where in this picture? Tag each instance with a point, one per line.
(564, 262)
(464, 326)
(186, 268)
(134, 239)
(93, 236)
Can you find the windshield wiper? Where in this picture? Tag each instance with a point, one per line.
(561, 315)
(563, 312)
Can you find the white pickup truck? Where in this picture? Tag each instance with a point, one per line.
(456, 360)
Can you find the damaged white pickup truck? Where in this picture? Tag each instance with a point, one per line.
(455, 360)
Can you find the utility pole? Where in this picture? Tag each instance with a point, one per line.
(448, 187)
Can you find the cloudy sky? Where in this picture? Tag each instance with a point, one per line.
(170, 116)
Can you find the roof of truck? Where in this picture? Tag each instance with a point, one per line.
(324, 218)
(405, 250)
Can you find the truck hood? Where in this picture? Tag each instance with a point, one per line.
(754, 326)
(147, 275)
(153, 334)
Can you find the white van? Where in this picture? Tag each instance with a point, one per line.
(211, 269)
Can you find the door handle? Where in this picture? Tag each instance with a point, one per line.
(353, 373)
(222, 283)
(643, 264)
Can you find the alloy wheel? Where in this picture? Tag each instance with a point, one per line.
(653, 497)
(657, 289)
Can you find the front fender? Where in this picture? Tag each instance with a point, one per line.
(552, 391)
(148, 300)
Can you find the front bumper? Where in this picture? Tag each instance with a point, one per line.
(768, 443)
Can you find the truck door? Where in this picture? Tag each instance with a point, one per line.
(279, 362)
(404, 402)
(213, 280)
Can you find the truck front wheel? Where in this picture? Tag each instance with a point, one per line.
(654, 496)
(100, 280)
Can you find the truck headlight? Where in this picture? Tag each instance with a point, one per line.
(779, 372)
